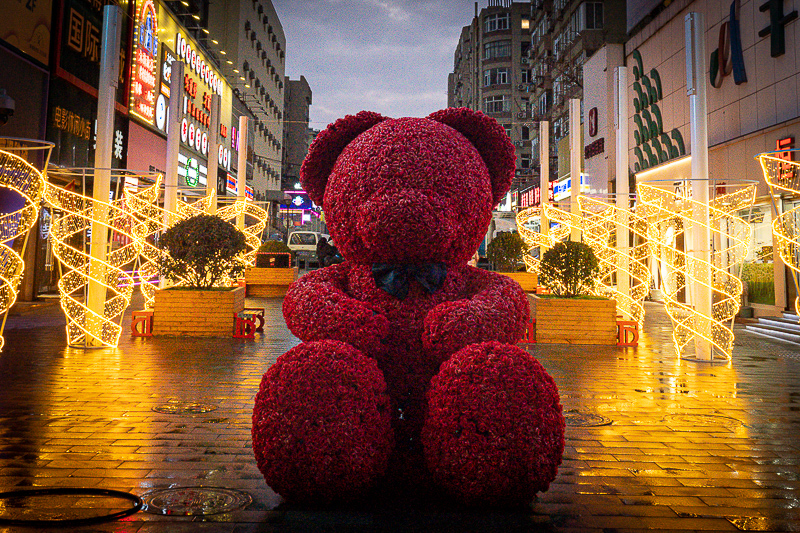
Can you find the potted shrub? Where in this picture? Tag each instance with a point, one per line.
(572, 314)
(273, 272)
(203, 255)
(505, 252)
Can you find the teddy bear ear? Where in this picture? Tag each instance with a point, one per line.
(491, 141)
(322, 155)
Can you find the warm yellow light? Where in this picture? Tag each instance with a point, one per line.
(670, 217)
(21, 177)
(85, 326)
(601, 220)
(782, 177)
(534, 239)
(205, 31)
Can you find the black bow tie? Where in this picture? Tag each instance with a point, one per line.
(394, 278)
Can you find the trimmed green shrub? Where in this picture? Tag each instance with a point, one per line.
(505, 251)
(569, 269)
(274, 254)
(203, 251)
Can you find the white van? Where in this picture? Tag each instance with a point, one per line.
(304, 245)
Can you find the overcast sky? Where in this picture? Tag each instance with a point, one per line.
(389, 56)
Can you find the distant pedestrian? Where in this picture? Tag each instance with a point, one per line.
(323, 251)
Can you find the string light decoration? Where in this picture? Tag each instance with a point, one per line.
(22, 178)
(85, 327)
(535, 239)
(600, 223)
(670, 217)
(782, 174)
(255, 219)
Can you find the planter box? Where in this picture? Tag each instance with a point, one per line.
(196, 313)
(574, 321)
(527, 280)
(269, 282)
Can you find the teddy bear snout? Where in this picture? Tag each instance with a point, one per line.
(406, 227)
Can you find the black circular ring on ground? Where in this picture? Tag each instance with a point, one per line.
(71, 491)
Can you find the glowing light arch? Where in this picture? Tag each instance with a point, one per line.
(670, 215)
(23, 179)
(783, 176)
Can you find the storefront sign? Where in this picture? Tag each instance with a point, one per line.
(25, 25)
(728, 56)
(533, 197)
(785, 148)
(143, 73)
(596, 148)
(193, 172)
(563, 187)
(777, 25)
(195, 61)
(593, 122)
(71, 122)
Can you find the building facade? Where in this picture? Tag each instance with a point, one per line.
(753, 107)
(252, 53)
(491, 73)
(296, 135)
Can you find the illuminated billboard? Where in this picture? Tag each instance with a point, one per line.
(145, 54)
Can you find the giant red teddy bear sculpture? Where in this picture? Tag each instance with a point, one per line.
(408, 374)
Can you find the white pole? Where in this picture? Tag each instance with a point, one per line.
(241, 178)
(173, 141)
(701, 235)
(575, 150)
(213, 154)
(622, 188)
(544, 175)
(106, 97)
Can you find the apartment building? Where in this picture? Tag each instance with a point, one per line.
(253, 57)
(491, 73)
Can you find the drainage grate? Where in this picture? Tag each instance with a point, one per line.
(704, 420)
(194, 501)
(177, 407)
(575, 418)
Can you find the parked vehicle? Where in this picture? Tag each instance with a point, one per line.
(304, 245)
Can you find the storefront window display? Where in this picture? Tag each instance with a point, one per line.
(758, 269)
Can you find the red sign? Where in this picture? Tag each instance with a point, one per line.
(143, 73)
(786, 146)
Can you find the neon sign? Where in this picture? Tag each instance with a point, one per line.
(143, 73)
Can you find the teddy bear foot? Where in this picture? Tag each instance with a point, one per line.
(321, 423)
(494, 431)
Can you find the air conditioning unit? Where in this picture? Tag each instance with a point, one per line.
(524, 60)
(519, 144)
(521, 114)
(521, 87)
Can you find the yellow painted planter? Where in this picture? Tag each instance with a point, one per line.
(195, 313)
(269, 282)
(574, 321)
(527, 280)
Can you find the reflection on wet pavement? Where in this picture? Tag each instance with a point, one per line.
(653, 442)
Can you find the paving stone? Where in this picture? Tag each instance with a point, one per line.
(690, 447)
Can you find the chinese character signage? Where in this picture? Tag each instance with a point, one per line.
(25, 25)
(145, 54)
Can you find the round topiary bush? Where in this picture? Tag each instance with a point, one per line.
(321, 423)
(494, 431)
(569, 269)
(202, 251)
(506, 251)
(274, 254)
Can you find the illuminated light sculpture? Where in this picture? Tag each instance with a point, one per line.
(22, 188)
(782, 174)
(534, 239)
(255, 219)
(600, 222)
(670, 215)
(86, 327)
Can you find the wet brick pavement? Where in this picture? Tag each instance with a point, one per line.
(690, 447)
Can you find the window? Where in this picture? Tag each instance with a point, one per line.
(507, 127)
(495, 76)
(496, 104)
(525, 162)
(544, 102)
(495, 22)
(497, 49)
(526, 24)
(524, 48)
(526, 134)
(593, 16)
(526, 76)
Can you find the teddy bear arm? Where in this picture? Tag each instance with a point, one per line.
(318, 307)
(498, 311)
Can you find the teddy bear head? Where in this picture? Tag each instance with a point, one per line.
(409, 190)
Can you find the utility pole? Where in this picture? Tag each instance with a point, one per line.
(241, 179)
(575, 150)
(622, 187)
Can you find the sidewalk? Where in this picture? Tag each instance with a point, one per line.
(686, 446)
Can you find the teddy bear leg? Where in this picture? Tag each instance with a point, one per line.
(494, 430)
(321, 423)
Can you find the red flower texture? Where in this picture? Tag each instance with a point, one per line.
(322, 405)
(494, 431)
(407, 192)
